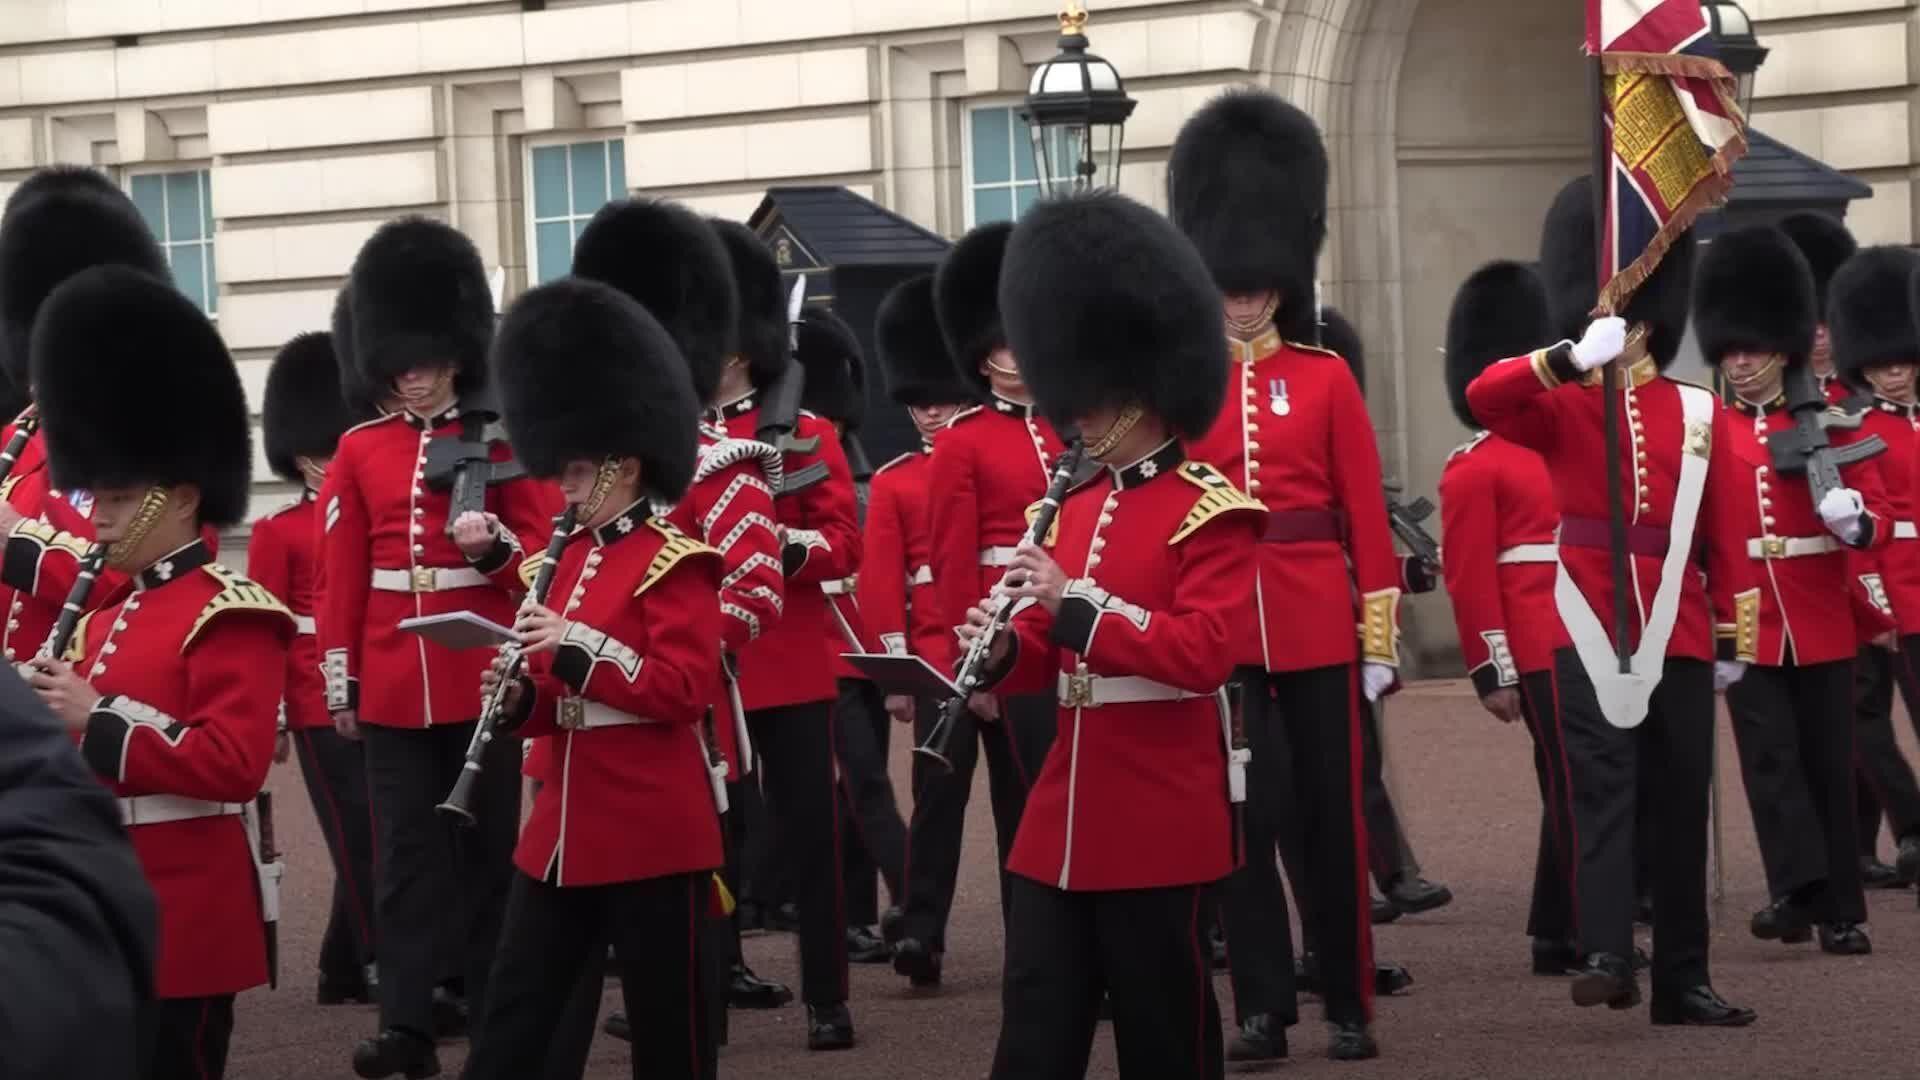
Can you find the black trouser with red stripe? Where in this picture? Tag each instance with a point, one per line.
(875, 839)
(1885, 780)
(552, 933)
(189, 1037)
(794, 744)
(335, 771)
(1797, 759)
(1145, 949)
(1551, 914)
(1303, 728)
(1015, 747)
(1669, 757)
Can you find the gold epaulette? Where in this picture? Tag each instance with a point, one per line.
(677, 546)
(1302, 346)
(236, 594)
(47, 536)
(1217, 496)
(6, 487)
(530, 568)
(1053, 527)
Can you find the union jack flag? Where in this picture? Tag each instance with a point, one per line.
(1673, 131)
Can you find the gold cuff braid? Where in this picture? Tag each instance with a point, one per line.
(1379, 627)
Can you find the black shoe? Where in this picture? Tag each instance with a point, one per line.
(784, 919)
(863, 947)
(618, 1027)
(1699, 1006)
(893, 925)
(745, 990)
(829, 1027)
(1845, 939)
(1783, 921)
(1262, 1037)
(394, 1052)
(1413, 895)
(1351, 1041)
(1217, 948)
(1875, 874)
(1907, 863)
(1606, 979)
(1384, 911)
(347, 990)
(450, 1020)
(918, 961)
(1552, 957)
(1390, 979)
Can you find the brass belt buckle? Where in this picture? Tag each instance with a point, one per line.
(1773, 547)
(573, 714)
(424, 579)
(1079, 690)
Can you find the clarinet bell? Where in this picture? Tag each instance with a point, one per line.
(460, 799)
(928, 751)
(460, 814)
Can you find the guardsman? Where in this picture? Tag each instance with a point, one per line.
(1753, 304)
(785, 681)
(989, 465)
(1247, 183)
(1827, 245)
(172, 682)
(1129, 615)
(422, 317)
(1497, 521)
(302, 416)
(59, 221)
(620, 671)
(1679, 499)
(1876, 347)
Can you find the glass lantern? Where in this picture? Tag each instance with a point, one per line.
(1076, 110)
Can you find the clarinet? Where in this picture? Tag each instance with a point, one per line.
(973, 666)
(76, 603)
(24, 427)
(459, 803)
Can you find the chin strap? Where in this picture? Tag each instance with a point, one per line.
(152, 505)
(1123, 424)
(602, 486)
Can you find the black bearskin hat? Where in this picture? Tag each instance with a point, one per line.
(135, 388)
(836, 385)
(1247, 183)
(913, 355)
(360, 397)
(58, 222)
(1754, 292)
(1500, 311)
(419, 295)
(1570, 268)
(1337, 335)
(586, 373)
(664, 256)
(1872, 314)
(1107, 305)
(1825, 242)
(304, 410)
(763, 331)
(966, 301)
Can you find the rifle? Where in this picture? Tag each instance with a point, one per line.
(465, 465)
(1405, 519)
(1806, 449)
(780, 406)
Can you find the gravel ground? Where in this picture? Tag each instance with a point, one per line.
(1465, 785)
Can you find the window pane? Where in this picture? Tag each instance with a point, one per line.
(589, 176)
(213, 285)
(183, 206)
(1023, 160)
(549, 181)
(1025, 195)
(992, 204)
(990, 158)
(617, 165)
(147, 196)
(206, 204)
(187, 272)
(553, 250)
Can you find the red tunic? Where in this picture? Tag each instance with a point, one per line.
(1800, 622)
(788, 663)
(190, 659)
(897, 591)
(1894, 570)
(1497, 523)
(378, 514)
(1297, 438)
(282, 559)
(42, 555)
(1133, 793)
(989, 464)
(1526, 400)
(630, 800)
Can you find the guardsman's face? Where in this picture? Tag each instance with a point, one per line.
(1822, 355)
(116, 508)
(1893, 381)
(582, 486)
(931, 418)
(313, 469)
(1753, 374)
(1250, 312)
(423, 389)
(1003, 373)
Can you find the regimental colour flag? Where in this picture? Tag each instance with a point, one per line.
(1672, 128)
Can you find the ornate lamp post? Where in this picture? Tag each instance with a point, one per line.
(1743, 54)
(1076, 110)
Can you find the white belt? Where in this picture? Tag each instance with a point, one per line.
(921, 576)
(579, 714)
(838, 586)
(1529, 553)
(997, 556)
(1904, 530)
(303, 624)
(1790, 547)
(160, 809)
(426, 579)
(1077, 691)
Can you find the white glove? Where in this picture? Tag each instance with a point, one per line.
(1605, 339)
(1727, 672)
(1841, 509)
(1375, 678)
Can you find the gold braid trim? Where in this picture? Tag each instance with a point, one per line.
(48, 537)
(530, 568)
(677, 546)
(1217, 496)
(236, 594)
(1379, 627)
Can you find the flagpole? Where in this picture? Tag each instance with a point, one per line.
(1609, 376)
